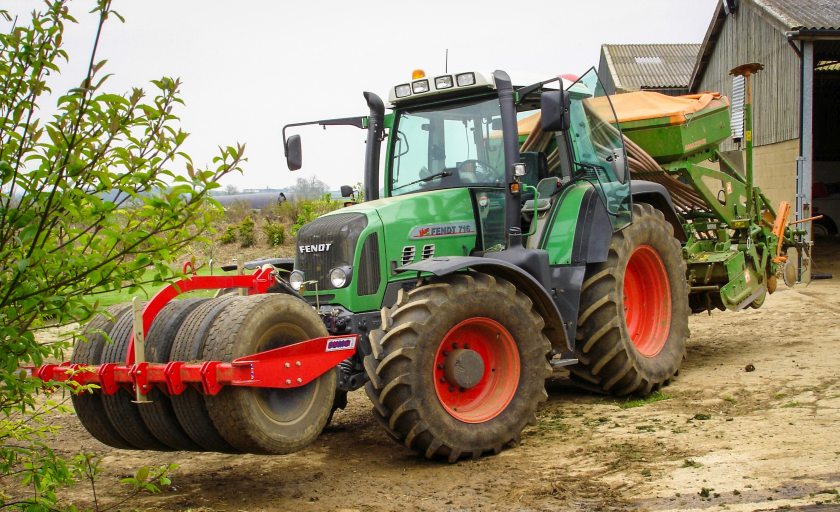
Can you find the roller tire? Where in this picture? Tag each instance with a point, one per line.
(88, 351)
(269, 421)
(123, 413)
(159, 415)
(608, 359)
(188, 345)
(402, 374)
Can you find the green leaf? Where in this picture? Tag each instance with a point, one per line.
(142, 474)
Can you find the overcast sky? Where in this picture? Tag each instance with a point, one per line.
(250, 67)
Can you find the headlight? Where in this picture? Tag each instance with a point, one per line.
(296, 279)
(339, 277)
(420, 86)
(443, 82)
(401, 91)
(465, 79)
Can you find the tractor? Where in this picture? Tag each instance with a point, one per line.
(518, 231)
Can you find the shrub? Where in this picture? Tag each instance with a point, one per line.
(229, 236)
(246, 232)
(309, 210)
(94, 194)
(275, 233)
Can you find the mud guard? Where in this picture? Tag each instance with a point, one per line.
(657, 196)
(557, 329)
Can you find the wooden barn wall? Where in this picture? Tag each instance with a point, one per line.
(747, 37)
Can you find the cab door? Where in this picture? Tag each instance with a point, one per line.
(598, 147)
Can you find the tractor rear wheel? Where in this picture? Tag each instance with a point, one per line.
(460, 368)
(271, 421)
(189, 407)
(88, 351)
(158, 413)
(633, 321)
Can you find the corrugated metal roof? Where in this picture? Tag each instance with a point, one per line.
(803, 14)
(650, 66)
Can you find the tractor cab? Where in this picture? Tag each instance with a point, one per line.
(450, 132)
(510, 151)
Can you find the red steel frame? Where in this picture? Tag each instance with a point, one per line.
(285, 367)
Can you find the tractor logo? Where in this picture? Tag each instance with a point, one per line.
(348, 343)
(442, 230)
(315, 247)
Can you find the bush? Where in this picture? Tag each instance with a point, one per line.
(274, 233)
(246, 232)
(94, 194)
(229, 236)
(309, 210)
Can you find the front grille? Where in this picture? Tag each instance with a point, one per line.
(369, 275)
(326, 243)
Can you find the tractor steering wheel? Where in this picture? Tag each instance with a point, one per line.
(476, 171)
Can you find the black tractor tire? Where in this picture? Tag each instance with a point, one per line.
(188, 346)
(88, 351)
(120, 407)
(261, 420)
(610, 359)
(428, 408)
(159, 415)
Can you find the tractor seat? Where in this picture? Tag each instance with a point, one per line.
(546, 188)
(542, 205)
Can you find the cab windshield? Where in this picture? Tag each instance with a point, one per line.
(447, 147)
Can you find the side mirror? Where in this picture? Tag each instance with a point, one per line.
(555, 111)
(346, 191)
(294, 154)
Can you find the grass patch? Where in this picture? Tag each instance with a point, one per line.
(550, 421)
(656, 396)
(790, 405)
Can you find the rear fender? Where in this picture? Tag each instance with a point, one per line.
(556, 329)
(657, 196)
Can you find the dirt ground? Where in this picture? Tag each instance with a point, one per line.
(721, 438)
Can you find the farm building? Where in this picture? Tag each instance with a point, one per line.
(796, 105)
(663, 68)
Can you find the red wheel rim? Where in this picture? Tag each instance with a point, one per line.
(647, 301)
(499, 379)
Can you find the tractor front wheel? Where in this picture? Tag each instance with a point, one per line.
(633, 321)
(460, 366)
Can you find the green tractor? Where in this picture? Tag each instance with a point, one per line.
(504, 245)
(512, 238)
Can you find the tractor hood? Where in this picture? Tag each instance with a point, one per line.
(425, 224)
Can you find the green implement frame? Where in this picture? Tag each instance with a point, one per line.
(736, 243)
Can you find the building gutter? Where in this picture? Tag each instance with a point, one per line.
(812, 34)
